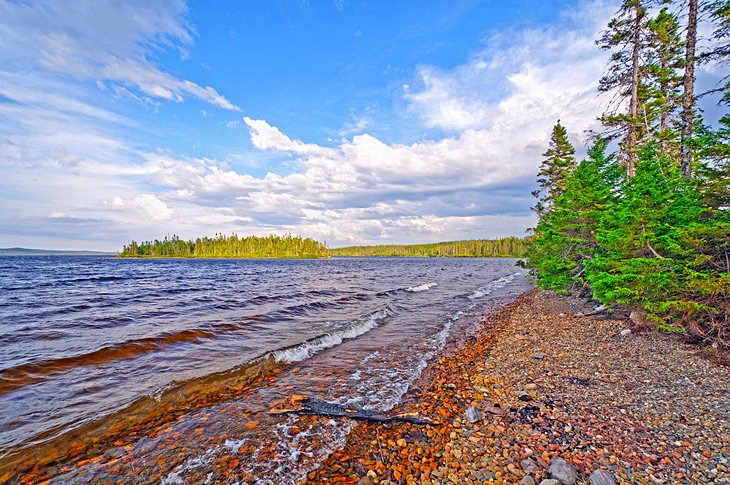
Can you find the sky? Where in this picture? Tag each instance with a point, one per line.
(351, 122)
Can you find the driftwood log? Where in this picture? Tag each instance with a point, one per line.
(300, 404)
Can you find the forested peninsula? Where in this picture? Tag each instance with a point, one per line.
(232, 246)
(645, 228)
(510, 247)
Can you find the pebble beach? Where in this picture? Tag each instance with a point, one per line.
(542, 395)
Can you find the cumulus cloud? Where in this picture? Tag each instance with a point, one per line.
(148, 206)
(265, 136)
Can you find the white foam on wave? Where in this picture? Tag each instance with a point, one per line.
(307, 349)
(423, 287)
(492, 286)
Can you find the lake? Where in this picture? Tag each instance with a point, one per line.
(96, 346)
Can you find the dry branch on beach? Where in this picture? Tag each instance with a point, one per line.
(302, 404)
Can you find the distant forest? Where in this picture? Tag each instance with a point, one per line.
(231, 246)
(289, 246)
(491, 248)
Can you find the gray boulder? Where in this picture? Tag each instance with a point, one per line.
(563, 471)
(600, 477)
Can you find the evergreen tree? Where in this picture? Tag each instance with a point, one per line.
(688, 100)
(564, 239)
(554, 170)
(626, 37)
(664, 77)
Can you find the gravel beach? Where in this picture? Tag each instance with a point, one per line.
(541, 395)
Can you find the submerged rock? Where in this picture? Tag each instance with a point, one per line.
(563, 471)
(473, 415)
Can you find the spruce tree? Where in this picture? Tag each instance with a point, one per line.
(688, 100)
(564, 239)
(554, 170)
(664, 78)
(625, 35)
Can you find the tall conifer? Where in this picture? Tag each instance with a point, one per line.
(555, 168)
(625, 35)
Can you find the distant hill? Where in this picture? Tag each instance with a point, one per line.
(50, 252)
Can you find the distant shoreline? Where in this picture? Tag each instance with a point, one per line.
(51, 252)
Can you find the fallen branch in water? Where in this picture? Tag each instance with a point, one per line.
(300, 404)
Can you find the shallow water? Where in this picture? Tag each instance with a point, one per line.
(88, 342)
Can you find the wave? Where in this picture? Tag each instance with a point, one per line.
(492, 286)
(310, 347)
(423, 287)
(24, 374)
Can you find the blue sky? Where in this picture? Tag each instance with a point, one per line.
(352, 122)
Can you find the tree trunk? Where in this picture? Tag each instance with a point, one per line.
(689, 81)
(634, 103)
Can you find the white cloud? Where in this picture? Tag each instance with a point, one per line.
(106, 42)
(265, 136)
(148, 206)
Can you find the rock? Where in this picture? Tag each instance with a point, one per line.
(366, 480)
(600, 477)
(563, 471)
(530, 387)
(528, 466)
(528, 480)
(625, 332)
(539, 356)
(561, 314)
(473, 415)
(549, 481)
(639, 318)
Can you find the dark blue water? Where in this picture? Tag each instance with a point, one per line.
(83, 337)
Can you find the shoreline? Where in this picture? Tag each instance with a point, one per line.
(642, 407)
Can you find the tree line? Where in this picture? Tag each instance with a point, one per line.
(646, 226)
(232, 246)
(511, 247)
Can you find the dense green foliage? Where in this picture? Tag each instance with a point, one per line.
(231, 246)
(639, 232)
(511, 247)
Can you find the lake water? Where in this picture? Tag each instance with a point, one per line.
(94, 346)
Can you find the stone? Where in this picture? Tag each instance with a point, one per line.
(473, 415)
(539, 356)
(563, 471)
(639, 318)
(366, 480)
(626, 332)
(530, 387)
(528, 466)
(550, 481)
(528, 480)
(600, 477)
